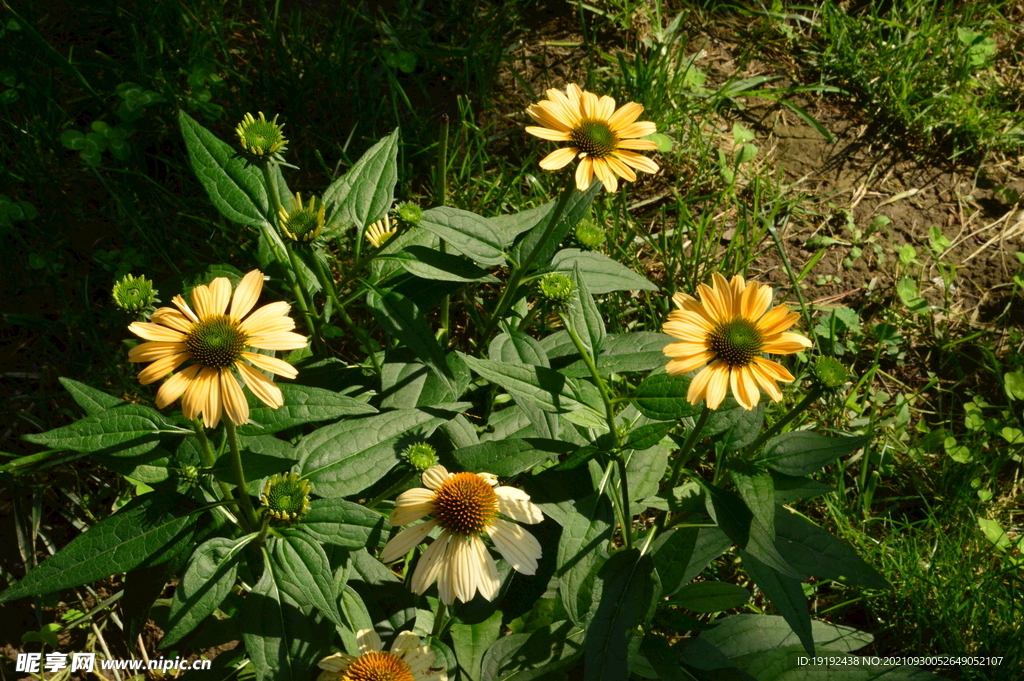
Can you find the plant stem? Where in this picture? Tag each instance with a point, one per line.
(684, 453)
(236, 468)
(328, 285)
(208, 457)
(505, 301)
(441, 198)
(812, 395)
(442, 609)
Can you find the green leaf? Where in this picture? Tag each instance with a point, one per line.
(518, 348)
(995, 534)
(430, 264)
(577, 458)
(739, 635)
(400, 317)
(801, 452)
(208, 579)
(786, 594)
(1014, 384)
(466, 232)
(278, 631)
(585, 529)
(499, 655)
(682, 554)
(648, 436)
(626, 352)
(343, 523)
(349, 456)
(144, 533)
(601, 273)
(663, 398)
(736, 427)
(236, 187)
(301, 570)
(124, 431)
(813, 551)
(546, 388)
(302, 404)
(365, 193)
(584, 316)
(745, 530)
(506, 458)
(257, 467)
(546, 650)
(390, 605)
(627, 591)
(710, 597)
(789, 489)
(575, 209)
(471, 641)
(91, 400)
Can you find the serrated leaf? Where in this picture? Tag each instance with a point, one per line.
(466, 232)
(601, 273)
(400, 317)
(813, 551)
(627, 591)
(301, 570)
(663, 398)
(141, 534)
(123, 431)
(208, 579)
(584, 316)
(585, 528)
(576, 207)
(347, 457)
(506, 458)
(365, 193)
(471, 642)
(236, 187)
(342, 523)
(708, 597)
(428, 263)
(801, 452)
(302, 404)
(91, 400)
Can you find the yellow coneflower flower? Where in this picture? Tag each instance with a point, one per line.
(303, 223)
(730, 327)
(379, 232)
(605, 138)
(215, 338)
(464, 505)
(408, 660)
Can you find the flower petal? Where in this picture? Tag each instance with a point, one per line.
(605, 108)
(640, 129)
(516, 504)
(155, 332)
(786, 344)
(755, 300)
(777, 320)
(405, 541)
(234, 399)
(744, 387)
(547, 134)
(620, 168)
(548, 116)
(176, 385)
(718, 383)
(196, 397)
(168, 316)
(584, 173)
(368, 641)
(279, 340)
(773, 369)
(688, 364)
(161, 367)
(247, 293)
(487, 579)
(185, 309)
(214, 406)
(220, 295)
(520, 548)
(261, 386)
(685, 349)
(434, 476)
(605, 174)
(766, 382)
(411, 507)
(626, 114)
(271, 317)
(635, 160)
(430, 565)
(638, 145)
(147, 352)
(559, 158)
(272, 364)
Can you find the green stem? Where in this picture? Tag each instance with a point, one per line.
(327, 283)
(249, 512)
(505, 301)
(391, 490)
(812, 395)
(264, 531)
(684, 453)
(208, 458)
(442, 610)
(442, 197)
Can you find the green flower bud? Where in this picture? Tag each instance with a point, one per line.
(286, 497)
(133, 294)
(410, 213)
(261, 137)
(420, 456)
(190, 474)
(556, 287)
(590, 234)
(830, 373)
(302, 224)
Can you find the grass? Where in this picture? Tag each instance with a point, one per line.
(932, 386)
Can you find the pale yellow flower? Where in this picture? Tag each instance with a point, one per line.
(464, 506)
(604, 138)
(379, 232)
(215, 337)
(408, 660)
(729, 329)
